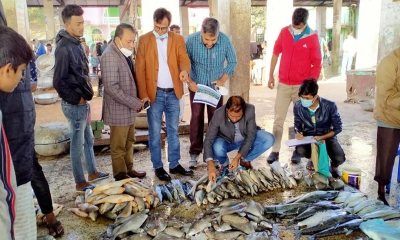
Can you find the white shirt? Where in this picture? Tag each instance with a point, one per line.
(164, 75)
(350, 46)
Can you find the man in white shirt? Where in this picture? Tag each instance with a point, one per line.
(349, 51)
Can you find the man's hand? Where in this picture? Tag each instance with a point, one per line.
(318, 138)
(299, 136)
(212, 171)
(234, 164)
(184, 76)
(193, 86)
(143, 101)
(219, 83)
(271, 82)
(82, 101)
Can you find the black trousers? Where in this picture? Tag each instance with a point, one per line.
(335, 151)
(387, 143)
(41, 187)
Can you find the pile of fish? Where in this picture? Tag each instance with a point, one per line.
(326, 213)
(320, 182)
(115, 199)
(232, 219)
(174, 191)
(40, 217)
(242, 182)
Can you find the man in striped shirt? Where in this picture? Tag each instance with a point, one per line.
(207, 50)
(15, 54)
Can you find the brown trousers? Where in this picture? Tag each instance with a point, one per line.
(387, 143)
(121, 143)
(197, 123)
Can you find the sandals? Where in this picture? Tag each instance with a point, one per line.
(53, 229)
(101, 176)
(91, 186)
(310, 166)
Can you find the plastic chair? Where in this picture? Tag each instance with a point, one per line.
(398, 172)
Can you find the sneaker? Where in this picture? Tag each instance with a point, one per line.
(193, 161)
(273, 156)
(295, 158)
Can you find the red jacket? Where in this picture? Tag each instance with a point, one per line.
(300, 60)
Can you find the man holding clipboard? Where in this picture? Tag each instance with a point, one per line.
(317, 117)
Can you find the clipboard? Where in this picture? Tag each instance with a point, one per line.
(297, 142)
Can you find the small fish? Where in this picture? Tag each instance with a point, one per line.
(179, 187)
(140, 203)
(174, 232)
(126, 212)
(159, 190)
(166, 193)
(199, 225)
(133, 224)
(199, 197)
(87, 207)
(105, 207)
(78, 212)
(119, 206)
(79, 200)
(237, 208)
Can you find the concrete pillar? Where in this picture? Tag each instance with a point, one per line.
(279, 15)
(49, 19)
(368, 33)
(17, 16)
(148, 8)
(389, 28)
(213, 6)
(60, 20)
(337, 26)
(321, 21)
(184, 21)
(234, 20)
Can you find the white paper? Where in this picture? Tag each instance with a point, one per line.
(304, 141)
(206, 95)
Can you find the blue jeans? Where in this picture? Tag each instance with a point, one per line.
(81, 136)
(263, 141)
(167, 103)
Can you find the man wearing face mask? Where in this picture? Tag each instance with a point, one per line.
(120, 100)
(318, 117)
(207, 50)
(300, 59)
(162, 65)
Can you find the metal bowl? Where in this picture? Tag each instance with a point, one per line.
(367, 105)
(46, 98)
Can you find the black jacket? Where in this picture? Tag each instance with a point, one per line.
(71, 72)
(327, 119)
(19, 120)
(221, 126)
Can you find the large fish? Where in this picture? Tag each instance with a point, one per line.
(86, 207)
(377, 229)
(319, 217)
(133, 224)
(341, 197)
(175, 232)
(315, 196)
(114, 190)
(329, 221)
(78, 212)
(199, 225)
(156, 223)
(105, 186)
(237, 208)
(283, 208)
(254, 208)
(115, 199)
(385, 214)
(366, 203)
(346, 228)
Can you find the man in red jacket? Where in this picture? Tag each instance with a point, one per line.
(300, 59)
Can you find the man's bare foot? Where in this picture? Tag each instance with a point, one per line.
(55, 228)
(97, 176)
(81, 186)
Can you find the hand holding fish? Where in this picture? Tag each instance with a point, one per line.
(234, 164)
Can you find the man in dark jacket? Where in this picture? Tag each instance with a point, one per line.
(71, 80)
(300, 59)
(233, 127)
(318, 117)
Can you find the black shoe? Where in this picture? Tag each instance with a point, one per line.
(121, 176)
(273, 156)
(179, 169)
(162, 174)
(295, 158)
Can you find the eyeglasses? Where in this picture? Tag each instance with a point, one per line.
(163, 29)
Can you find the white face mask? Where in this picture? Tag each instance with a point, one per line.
(125, 51)
(165, 35)
(296, 31)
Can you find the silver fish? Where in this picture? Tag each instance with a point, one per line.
(254, 208)
(159, 190)
(341, 197)
(283, 208)
(166, 193)
(385, 214)
(174, 232)
(140, 203)
(126, 211)
(366, 203)
(328, 222)
(199, 197)
(353, 197)
(118, 207)
(319, 217)
(179, 187)
(133, 224)
(221, 227)
(173, 191)
(202, 180)
(246, 227)
(79, 200)
(234, 218)
(156, 223)
(110, 215)
(346, 227)
(105, 207)
(237, 208)
(164, 236)
(315, 196)
(200, 225)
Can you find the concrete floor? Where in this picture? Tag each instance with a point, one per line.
(357, 139)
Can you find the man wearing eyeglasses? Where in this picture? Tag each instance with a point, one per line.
(162, 65)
